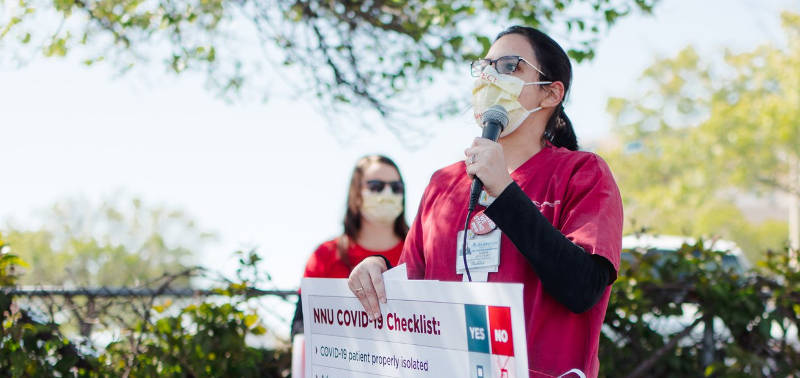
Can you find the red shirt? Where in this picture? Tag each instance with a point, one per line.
(577, 193)
(325, 263)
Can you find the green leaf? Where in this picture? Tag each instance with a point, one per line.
(249, 320)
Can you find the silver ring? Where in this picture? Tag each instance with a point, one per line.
(359, 289)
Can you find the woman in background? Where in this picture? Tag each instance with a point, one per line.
(374, 225)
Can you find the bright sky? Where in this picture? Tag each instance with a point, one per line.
(67, 130)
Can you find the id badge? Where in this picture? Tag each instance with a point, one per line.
(483, 251)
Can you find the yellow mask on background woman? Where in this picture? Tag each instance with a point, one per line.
(381, 207)
(493, 88)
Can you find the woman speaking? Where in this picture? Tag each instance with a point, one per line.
(551, 213)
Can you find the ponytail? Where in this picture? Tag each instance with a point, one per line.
(559, 131)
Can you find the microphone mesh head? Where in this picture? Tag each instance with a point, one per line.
(496, 113)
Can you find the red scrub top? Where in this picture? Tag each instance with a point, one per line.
(325, 263)
(576, 192)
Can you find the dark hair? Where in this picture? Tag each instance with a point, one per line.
(352, 217)
(554, 62)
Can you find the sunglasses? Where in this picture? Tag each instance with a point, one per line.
(504, 65)
(378, 185)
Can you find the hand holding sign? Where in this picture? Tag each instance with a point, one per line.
(366, 283)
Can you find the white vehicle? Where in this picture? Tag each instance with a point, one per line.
(644, 243)
(665, 244)
(669, 325)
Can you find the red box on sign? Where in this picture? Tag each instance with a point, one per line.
(500, 331)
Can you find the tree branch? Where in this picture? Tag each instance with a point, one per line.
(645, 366)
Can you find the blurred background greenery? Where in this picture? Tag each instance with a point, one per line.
(705, 145)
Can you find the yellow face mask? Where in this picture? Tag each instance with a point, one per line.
(493, 88)
(382, 207)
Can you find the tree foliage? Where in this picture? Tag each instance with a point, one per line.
(702, 132)
(688, 314)
(28, 347)
(357, 52)
(678, 314)
(9, 264)
(120, 242)
(206, 339)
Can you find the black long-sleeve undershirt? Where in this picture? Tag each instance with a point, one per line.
(572, 276)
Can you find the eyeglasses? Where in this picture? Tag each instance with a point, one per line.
(504, 65)
(378, 185)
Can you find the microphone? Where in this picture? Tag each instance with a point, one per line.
(494, 121)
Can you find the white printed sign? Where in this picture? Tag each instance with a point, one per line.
(427, 329)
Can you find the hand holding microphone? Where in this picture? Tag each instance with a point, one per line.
(484, 159)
